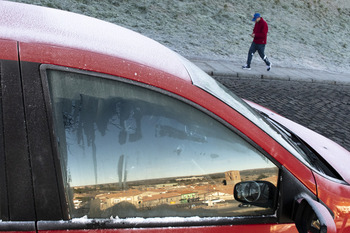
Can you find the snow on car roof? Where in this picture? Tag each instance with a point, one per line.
(35, 24)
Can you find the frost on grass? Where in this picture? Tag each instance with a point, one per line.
(302, 33)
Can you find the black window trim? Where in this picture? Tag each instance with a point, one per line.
(18, 226)
(126, 223)
(48, 201)
(152, 223)
(19, 196)
(3, 189)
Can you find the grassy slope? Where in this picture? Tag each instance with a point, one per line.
(302, 33)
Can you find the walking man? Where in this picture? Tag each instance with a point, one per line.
(260, 35)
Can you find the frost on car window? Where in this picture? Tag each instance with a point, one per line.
(127, 151)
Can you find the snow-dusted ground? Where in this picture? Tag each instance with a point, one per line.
(302, 33)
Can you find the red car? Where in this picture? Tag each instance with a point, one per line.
(105, 130)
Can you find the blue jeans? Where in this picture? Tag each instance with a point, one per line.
(261, 50)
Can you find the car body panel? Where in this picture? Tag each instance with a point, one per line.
(329, 190)
(333, 195)
(334, 154)
(86, 60)
(48, 44)
(111, 65)
(263, 228)
(8, 50)
(70, 41)
(38, 25)
(97, 62)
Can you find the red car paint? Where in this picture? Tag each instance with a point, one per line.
(290, 228)
(28, 36)
(333, 193)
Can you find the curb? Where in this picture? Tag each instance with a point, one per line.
(223, 68)
(274, 78)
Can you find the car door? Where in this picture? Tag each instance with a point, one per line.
(17, 205)
(136, 158)
(115, 155)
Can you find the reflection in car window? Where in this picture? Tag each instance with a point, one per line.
(127, 151)
(209, 84)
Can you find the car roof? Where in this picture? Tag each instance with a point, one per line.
(42, 25)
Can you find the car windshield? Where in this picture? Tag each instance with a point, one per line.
(210, 85)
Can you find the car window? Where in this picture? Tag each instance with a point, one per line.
(212, 86)
(129, 151)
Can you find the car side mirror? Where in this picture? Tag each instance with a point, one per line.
(312, 216)
(257, 193)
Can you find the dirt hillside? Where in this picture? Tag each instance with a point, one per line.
(302, 33)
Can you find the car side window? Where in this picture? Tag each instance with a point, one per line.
(129, 151)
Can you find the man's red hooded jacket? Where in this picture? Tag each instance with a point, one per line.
(260, 30)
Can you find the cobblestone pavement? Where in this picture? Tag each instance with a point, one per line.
(324, 108)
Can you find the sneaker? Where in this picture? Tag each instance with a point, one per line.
(269, 67)
(246, 67)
